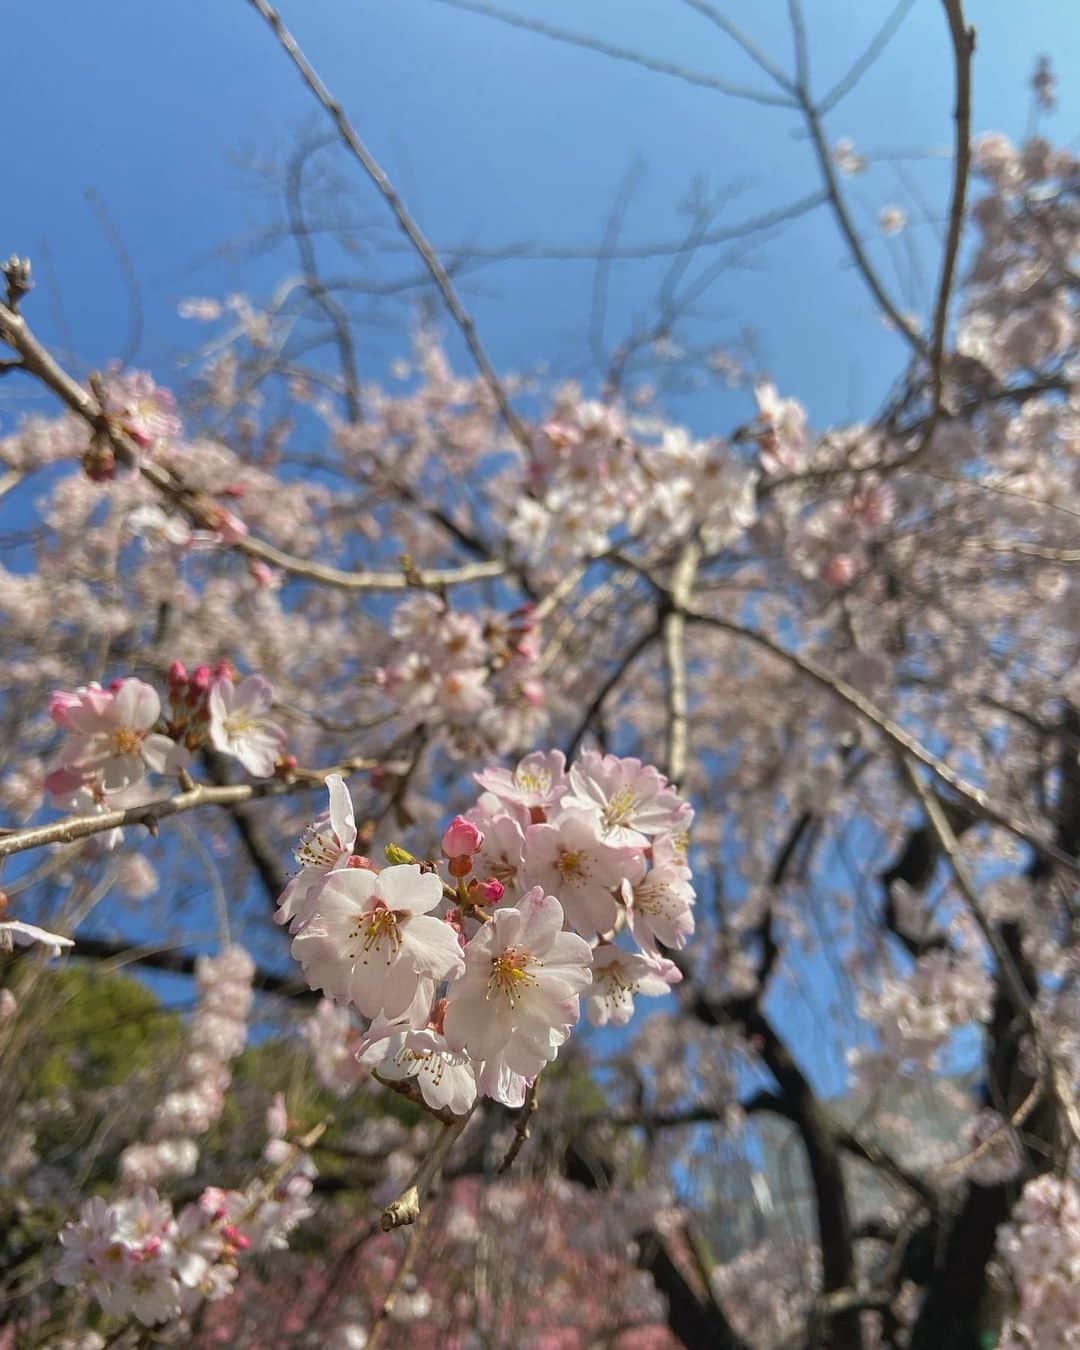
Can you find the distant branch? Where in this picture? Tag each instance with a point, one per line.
(408, 225)
(618, 53)
(37, 361)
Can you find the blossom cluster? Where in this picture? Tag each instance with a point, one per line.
(118, 735)
(915, 1014)
(197, 1097)
(595, 474)
(139, 1259)
(474, 675)
(1041, 1247)
(473, 983)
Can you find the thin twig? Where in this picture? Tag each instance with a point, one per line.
(524, 1127)
(618, 53)
(381, 1324)
(409, 226)
(878, 43)
(407, 1207)
(71, 828)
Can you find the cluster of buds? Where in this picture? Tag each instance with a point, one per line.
(461, 842)
(188, 719)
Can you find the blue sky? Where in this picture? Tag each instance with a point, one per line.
(493, 135)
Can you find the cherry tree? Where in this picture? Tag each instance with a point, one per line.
(623, 879)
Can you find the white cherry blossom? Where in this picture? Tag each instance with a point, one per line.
(240, 727)
(374, 942)
(325, 846)
(518, 997)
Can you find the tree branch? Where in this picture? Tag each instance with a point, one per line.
(408, 225)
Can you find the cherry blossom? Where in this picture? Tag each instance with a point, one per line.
(240, 727)
(446, 1078)
(631, 800)
(15, 933)
(538, 782)
(618, 976)
(659, 907)
(111, 737)
(325, 846)
(569, 856)
(517, 999)
(373, 941)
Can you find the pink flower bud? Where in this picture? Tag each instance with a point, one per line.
(176, 678)
(198, 685)
(841, 570)
(232, 1235)
(533, 693)
(461, 839)
(63, 782)
(60, 704)
(230, 529)
(488, 892)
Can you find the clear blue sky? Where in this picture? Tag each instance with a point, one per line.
(494, 135)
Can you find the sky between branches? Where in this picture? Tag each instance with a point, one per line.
(493, 136)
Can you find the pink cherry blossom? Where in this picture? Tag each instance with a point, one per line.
(570, 858)
(618, 976)
(659, 907)
(374, 942)
(631, 800)
(539, 781)
(325, 846)
(111, 736)
(240, 727)
(517, 999)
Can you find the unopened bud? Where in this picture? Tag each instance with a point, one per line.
(461, 839)
(176, 679)
(487, 892)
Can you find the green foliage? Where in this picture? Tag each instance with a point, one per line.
(92, 1029)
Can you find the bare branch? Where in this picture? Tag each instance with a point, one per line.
(411, 229)
(73, 828)
(618, 53)
(903, 740)
(674, 634)
(878, 43)
(752, 50)
(199, 509)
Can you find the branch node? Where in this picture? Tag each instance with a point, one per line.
(16, 272)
